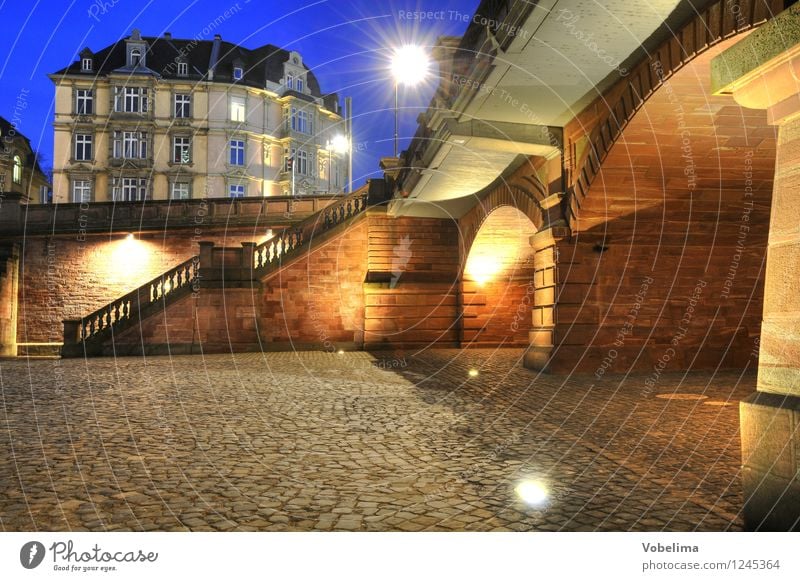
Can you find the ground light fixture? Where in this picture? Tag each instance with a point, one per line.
(410, 65)
(532, 492)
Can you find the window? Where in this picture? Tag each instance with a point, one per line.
(45, 195)
(136, 57)
(129, 189)
(237, 152)
(301, 161)
(130, 99)
(299, 85)
(17, 171)
(336, 175)
(183, 105)
(84, 101)
(238, 73)
(182, 149)
(180, 191)
(83, 147)
(289, 82)
(236, 190)
(301, 121)
(130, 144)
(237, 109)
(81, 191)
(183, 69)
(86, 64)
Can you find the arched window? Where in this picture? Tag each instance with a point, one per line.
(17, 173)
(136, 56)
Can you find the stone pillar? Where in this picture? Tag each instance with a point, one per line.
(761, 72)
(9, 303)
(545, 281)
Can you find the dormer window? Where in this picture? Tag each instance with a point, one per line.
(300, 85)
(86, 64)
(183, 69)
(289, 82)
(238, 73)
(136, 57)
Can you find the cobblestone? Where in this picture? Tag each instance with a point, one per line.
(320, 441)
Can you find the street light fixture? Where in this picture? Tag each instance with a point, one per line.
(410, 66)
(339, 144)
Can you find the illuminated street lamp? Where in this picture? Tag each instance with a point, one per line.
(339, 144)
(410, 66)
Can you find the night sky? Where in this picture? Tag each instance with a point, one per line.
(346, 43)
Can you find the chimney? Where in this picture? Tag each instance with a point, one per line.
(167, 36)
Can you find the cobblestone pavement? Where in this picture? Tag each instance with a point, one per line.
(359, 441)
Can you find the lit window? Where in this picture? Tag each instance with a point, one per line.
(17, 171)
(130, 145)
(84, 102)
(81, 191)
(130, 99)
(181, 149)
(180, 191)
(86, 64)
(183, 69)
(238, 111)
(83, 147)
(238, 73)
(183, 105)
(129, 189)
(236, 190)
(237, 152)
(136, 57)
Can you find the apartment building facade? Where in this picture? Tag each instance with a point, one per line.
(159, 118)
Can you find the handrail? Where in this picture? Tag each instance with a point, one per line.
(128, 306)
(288, 242)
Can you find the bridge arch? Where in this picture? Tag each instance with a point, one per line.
(669, 219)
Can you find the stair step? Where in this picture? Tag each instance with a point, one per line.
(39, 349)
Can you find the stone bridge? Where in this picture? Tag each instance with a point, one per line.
(599, 194)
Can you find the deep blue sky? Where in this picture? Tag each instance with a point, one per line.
(345, 42)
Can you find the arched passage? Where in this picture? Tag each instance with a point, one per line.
(497, 283)
(665, 266)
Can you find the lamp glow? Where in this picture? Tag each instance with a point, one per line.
(410, 65)
(482, 268)
(339, 144)
(531, 492)
(473, 373)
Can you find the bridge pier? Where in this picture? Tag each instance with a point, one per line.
(542, 336)
(761, 73)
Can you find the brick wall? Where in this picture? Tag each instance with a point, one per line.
(665, 266)
(64, 278)
(411, 297)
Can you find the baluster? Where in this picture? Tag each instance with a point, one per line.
(171, 282)
(91, 326)
(349, 208)
(126, 309)
(180, 277)
(84, 332)
(116, 311)
(108, 317)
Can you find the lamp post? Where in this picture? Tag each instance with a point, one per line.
(410, 66)
(339, 144)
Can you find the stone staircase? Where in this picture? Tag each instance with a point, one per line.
(94, 333)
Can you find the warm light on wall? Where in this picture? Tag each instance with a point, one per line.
(482, 268)
(125, 263)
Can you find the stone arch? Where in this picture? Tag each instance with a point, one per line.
(497, 277)
(606, 118)
(669, 221)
